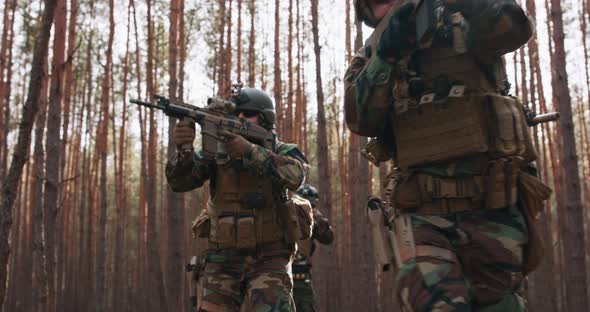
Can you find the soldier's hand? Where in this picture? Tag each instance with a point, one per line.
(236, 145)
(399, 38)
(184, 133)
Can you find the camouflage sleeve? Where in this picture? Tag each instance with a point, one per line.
(368, 97)
(322, 230)
(497, 27)
(285, 168)
(187, 171)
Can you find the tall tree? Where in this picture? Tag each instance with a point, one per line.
(39, 264)
(3, 65)
(239, 43)
(157, 297)
(322, 153)
(53, 149)
(251, 49)
(277, 86)
(572, 220)
(120, 274)
(21, 150)
(175, 200)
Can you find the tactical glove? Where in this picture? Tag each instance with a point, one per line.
(184, 134)
(399, 38)
(236, 146)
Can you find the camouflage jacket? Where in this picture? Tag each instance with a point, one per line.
(322, 232)
(495, 27)
(187, 171)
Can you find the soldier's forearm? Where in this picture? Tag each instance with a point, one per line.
(185, 172)
(285, 170)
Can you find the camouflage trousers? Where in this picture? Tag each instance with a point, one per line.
(235, 280)
(473, 262)
(304, 294)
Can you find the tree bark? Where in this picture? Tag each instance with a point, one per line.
(21, 150)
(251, 49)
(175, 200)
(277, 86)
(39, 269)
(53, 149)
(157, 297)
(572, 219)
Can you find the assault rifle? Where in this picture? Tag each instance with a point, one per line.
(217, 116)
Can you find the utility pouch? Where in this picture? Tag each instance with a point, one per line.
(298, 221)
(377, 151)
(532, 195)
(456, 127)
(201, 226)
(509, 131)
(224, 231)
(406, 192)
(246, 233)
(253, 200)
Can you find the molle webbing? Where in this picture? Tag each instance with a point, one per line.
(458, 68)
(244, 210)
(459, 127)
(428, 195)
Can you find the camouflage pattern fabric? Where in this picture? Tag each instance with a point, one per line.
(246, 281)
(303, 292)
(188, 171)
(304, 296)
(486, 273)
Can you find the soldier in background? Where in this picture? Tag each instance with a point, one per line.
(246, 266)
(303, 292)
(430, 85)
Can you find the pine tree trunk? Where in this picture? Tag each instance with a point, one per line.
(3, 65)
(277, 88)
(175, 200)
(157, 297)
(53, 150)
(239, 44)
(572, 218)
(324, 274)
(39, 270)
(225, 92)
(251, 48)
(220, 55)
(9, 187)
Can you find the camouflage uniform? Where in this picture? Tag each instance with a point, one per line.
(303, 292)
(460, 231)
(247, 265)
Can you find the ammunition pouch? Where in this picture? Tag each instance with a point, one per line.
(459, 126)
(299, 219)
(532, 195)
(377, 150)
(411, 192)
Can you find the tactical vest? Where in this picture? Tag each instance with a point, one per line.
(243, 210)
(449, 105)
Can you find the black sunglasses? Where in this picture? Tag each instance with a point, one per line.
(247, 114)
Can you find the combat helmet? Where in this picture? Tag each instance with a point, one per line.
(364, 13)
(251, 99)
(310, 193)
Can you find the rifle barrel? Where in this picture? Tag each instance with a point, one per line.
(142, 103)
(545, 118)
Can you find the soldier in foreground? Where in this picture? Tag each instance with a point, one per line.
(303, 292)
(430, 86)
(250, 249)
